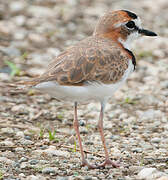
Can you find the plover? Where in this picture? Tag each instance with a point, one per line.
(94, 68)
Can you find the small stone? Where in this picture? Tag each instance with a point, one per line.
(71, 140)
(155, 140)
(17, 6)
(164, 84)
(33, 177)
(40, 11)
(6, 160)
(23, 159)
(62, 178)
(27, 137)
(37, 40)
(150, 173)
(82, 123)
(163, 178)
(7, 143)
(123, 116)
(19, 149)
(11, 51)
(19, 134)
(4, 77)
(48, 170)
(16, 164)
(146, 172)
(7, 130)
(137, 150)
(87, 178)
(20, 20)
(22, 175)
(34, 161)
(24, 165)
(51, 151)
(26, 142)
(18, 108)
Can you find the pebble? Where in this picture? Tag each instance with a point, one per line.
(16, 164)
(4, 77)
(18, 108)
(23, 159)
(163, 178)
(150, 174)
(16, 6)
(26, 142)
(6, 143)
(7, 130)
(87, 178)
(11, 51)
(51, 151)
(19, 149)
(62, 178)
(19, 20)
(156, 140)
(48, 170)
(137, 150)
(27, 137)
(33, 177)
(24, 165)
(22, 175)
(37, 40)
(19, 134)
(6, 160)
(71, 140)
(40, 11)
(34, 161)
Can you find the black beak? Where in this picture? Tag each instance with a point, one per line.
(146, 32)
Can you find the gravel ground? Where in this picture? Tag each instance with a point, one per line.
(37, 140)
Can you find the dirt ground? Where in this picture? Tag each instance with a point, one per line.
(37, 140)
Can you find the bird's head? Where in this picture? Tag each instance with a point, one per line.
(122, 26)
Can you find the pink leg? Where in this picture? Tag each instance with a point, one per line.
(100, 126)
(76, 127)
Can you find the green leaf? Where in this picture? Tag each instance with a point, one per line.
(52, 136)
(24, 55)
(129, 101)
(15, 71)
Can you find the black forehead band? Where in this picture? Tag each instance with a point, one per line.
(130, 14)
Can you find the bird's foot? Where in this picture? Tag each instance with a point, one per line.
(85, 163)
(106, 162)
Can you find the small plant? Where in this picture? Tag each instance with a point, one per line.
(74, 149)
(24, 56)
(144, 54)
(129, 101)
(1, 175)
(88, 126)
(41, 135)
(15, 71)
(76, 174)
(31, 92)
(52, 136)
(60, 116)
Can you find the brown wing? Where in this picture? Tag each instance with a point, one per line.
(87, 62)
(111, 65)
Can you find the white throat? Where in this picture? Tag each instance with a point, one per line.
(134, 35)
(127, 43)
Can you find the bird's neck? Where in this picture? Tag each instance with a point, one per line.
(115, 37)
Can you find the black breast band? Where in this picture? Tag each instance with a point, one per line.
(133, 57)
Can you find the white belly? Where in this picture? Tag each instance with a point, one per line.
(94, 90)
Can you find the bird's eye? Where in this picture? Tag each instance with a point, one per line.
(130, 25)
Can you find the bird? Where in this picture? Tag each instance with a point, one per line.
(94, 68)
